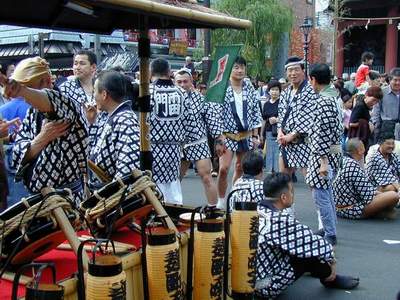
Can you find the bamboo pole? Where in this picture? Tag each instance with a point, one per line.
(160, 9)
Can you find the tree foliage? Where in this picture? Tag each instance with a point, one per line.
(270, 19)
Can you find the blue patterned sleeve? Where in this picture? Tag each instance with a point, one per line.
(305, 116)
(322, 130)
(127, 146)
(282, 108)
(256, 110)
(299, 240)
(378, 171)
(23, 140)
(360, 183)
(213, 118)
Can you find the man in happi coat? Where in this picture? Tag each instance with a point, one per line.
(355, 196)
(171, 121)
(383, 168)
(249, 187)
(116, 143)
(241, 117)
(295, 118)
(51, 148)
(287, 249)
(207, 119)
(326, 150)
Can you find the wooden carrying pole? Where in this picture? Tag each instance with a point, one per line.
(153, 200)
(67, 228)
(146, 158)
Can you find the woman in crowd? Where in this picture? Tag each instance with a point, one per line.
(269, 128)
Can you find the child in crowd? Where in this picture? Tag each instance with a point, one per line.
(367, 59)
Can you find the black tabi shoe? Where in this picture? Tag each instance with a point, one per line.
(342, 282)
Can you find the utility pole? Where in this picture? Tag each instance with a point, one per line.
(42, 36)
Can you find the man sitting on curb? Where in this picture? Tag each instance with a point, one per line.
(383, 169)
(355, 196)
(288, 249)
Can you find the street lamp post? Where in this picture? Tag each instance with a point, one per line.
(306, 30)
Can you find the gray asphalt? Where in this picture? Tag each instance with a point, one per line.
(360, 251)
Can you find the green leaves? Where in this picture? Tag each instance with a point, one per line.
(270, 19)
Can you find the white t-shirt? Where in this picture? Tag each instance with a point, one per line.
(239, 106)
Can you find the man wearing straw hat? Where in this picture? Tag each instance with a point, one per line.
(199, 151)
(51, 147)
(295, 112)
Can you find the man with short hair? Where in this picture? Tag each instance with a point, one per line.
(249, 186)
(287, 249)
(350, 85)
(206, 120)
(326, 150)
(383, 168)
(116, 145)
(51, 148)
(81, 86)
(171, 121)
(387, 112)
(295, 115)
(241, 117)
(355, 196)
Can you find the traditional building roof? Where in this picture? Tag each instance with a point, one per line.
(103, 16)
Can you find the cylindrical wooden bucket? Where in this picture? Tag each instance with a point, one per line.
(244, 241)
(209, 242)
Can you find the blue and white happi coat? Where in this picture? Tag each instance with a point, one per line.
(64, 160)
(327, 130)
(352, 189)
(207, 120)
(171, 122)
(74, 90)
(248, 189)
(296, 114)
(252, 117)
(280, 237)
(116, 147)
(383, 172)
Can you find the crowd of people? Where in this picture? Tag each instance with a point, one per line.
(314, 124)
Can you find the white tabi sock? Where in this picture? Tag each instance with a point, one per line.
(221, 203)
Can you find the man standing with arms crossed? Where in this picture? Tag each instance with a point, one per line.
(241, 117)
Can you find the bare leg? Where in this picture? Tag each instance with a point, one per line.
(382, 202)
(224, 164)
(204, 168)
(283, 169)
(238, 166)
(387, 188)
(184, 167)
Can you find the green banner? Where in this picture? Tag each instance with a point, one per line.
(220, 72)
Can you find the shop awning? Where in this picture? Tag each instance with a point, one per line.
(103, 16)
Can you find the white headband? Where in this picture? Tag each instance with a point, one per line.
(300, 62)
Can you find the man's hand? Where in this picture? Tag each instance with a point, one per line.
(323, 169)
(52, 130)
(11, 87)
(220, 147)
(286, 139)
(273, 120)
(5, 126)
(91, 113)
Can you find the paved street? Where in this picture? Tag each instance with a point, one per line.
(360, 250)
